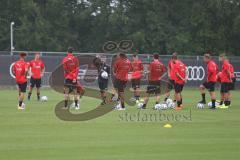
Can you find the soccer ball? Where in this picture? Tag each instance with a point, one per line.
(118, 106)
(171, 105)
(44, 98)
(139, 105)
(164, 106)
(158, 106)
(104, 75)
(209, 104)
(200, 106)
(169, 101)
(216, 104)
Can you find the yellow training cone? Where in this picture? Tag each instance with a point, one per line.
(167, 126)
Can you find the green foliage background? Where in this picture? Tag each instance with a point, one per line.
(186, 26)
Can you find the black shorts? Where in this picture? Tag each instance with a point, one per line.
(170, 84)
(154, 87)
(178, 87)
(70, 85)
(103, 85)
(136, 83)
(35, 82)
(232, 85)
(225, 87)
(120, 85)
(210, 86)
(22, 87)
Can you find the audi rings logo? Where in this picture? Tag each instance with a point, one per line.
(195, 73)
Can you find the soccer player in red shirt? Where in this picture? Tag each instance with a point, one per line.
(226, 79)
(121, 68)
(180, 70)
(219, 77)
(36, 68)
(155, 71)
(137, 71)
(71, 68)
(212, 71)
(20, 70)
(171, 76)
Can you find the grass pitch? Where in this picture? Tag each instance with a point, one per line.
(37, 134)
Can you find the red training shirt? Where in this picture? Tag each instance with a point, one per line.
(71, 67)
(212, 71)
(137, 68)
(156, 70)
(226, 67)
(37, 67)
(180, 68)
(20, 70)
(171, 70)
(121, 69)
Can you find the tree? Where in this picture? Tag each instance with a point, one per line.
(186, 26)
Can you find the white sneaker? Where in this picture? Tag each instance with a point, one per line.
(139, 105)
(77, 107)
(21, 107)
